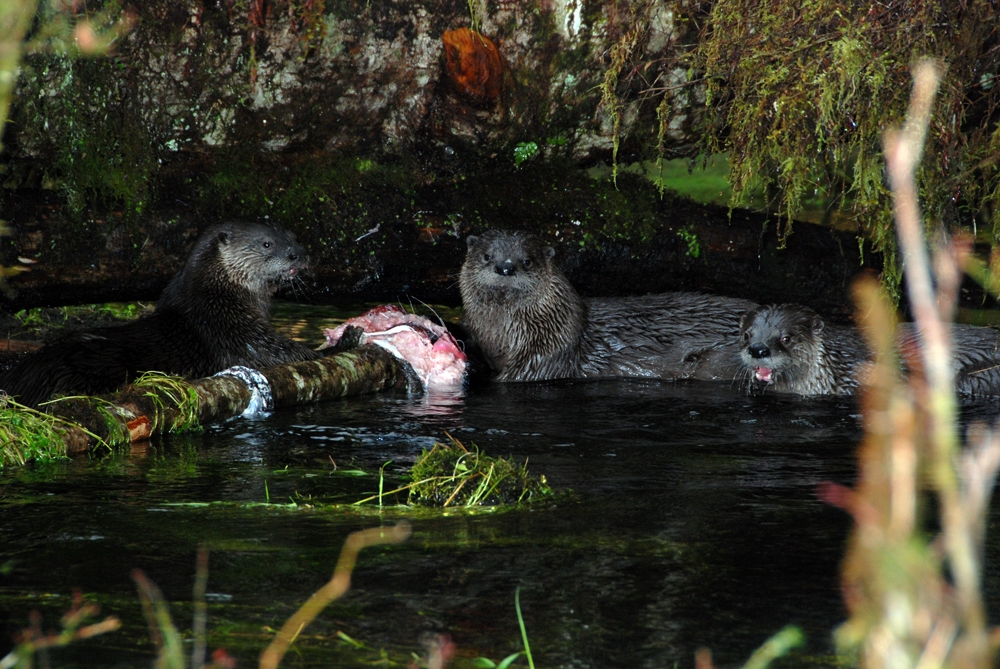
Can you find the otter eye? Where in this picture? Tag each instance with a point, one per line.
(487, 257)
(526, 262)
(267, 245)
(786, 339)
(746, 336)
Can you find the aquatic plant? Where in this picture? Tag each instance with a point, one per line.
(452, 475)
(338, 585)
(776, 647)
(27, 434)
(166, 391)
(486, 663)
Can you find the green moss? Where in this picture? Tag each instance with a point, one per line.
(81, 112)
(27, 434)
(343, 197)
(620, 55)
(172, 392)
(800, 94)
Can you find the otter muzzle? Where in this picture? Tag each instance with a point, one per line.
(506, 268)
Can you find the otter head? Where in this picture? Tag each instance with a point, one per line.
(501, 264)
(524, 314)
(259, 257)
(781, 344)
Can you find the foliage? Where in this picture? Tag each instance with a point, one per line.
(172, 392)
(915, 600)
(621, 54)
(688, 235)
(450, 475)
(27, 434)
(524, 151)
(800, 93)
(104, 151)
(101, 147)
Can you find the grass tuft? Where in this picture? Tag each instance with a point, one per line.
(27, 434)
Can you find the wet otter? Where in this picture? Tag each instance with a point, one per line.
(213, 314)
(531, 324)
(788, 348)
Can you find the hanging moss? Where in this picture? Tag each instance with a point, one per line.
(799, 95)
(104, 154)
(621, 54)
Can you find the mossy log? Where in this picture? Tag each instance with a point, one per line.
(156, 405)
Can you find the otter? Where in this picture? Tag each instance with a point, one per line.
(789, 348)
(530, 324)
(212, 315)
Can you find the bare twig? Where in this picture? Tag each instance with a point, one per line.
(333, 590)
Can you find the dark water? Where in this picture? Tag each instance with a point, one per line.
(694, 522)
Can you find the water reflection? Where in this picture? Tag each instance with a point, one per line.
(694, 522)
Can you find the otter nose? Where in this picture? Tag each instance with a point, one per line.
(760, 351)
(506, 268)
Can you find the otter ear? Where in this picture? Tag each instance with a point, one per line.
(471, 241)
(744, 317)
(223, 236)
(548, 252)
(817, 325)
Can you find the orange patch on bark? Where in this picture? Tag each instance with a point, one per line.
(139, 429)
(473, 64)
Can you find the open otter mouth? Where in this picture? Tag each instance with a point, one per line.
(764, 374)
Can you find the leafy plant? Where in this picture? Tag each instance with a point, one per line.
(524, 151)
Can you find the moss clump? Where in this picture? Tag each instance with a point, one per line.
(343, 197)
(171, 393)
(800, 94)
(452, 475)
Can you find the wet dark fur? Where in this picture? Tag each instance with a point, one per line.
(213, 314)
(808, 357)
(531, 324)
(975, 357)
(804, 355)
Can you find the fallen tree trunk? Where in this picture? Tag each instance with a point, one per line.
(157, 404)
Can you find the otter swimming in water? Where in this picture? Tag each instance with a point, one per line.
(212, 315)
(532, 325)
(788, 348)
